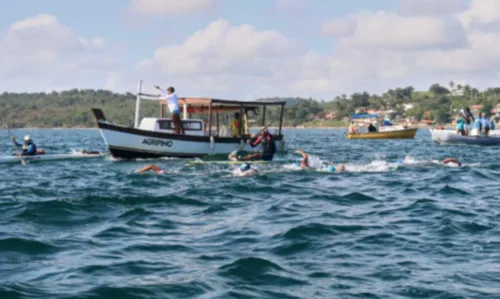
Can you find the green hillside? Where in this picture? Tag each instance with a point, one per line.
(71, 108)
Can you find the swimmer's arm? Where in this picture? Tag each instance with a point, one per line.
(305, 160)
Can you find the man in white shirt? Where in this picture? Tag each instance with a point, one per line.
(173, 106)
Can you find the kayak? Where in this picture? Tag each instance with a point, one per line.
(48, 157)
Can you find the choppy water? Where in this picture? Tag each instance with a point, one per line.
(95, 229)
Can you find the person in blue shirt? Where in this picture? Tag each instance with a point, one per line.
(29, 148)
(460, 125)
(485, 124)
(478, 124)
(492, 123)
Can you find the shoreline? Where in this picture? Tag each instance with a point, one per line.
(253, 127)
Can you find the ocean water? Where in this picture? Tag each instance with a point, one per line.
(96, 229)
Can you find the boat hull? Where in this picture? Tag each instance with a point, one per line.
(395, 134)
(131, 143)
(451, 137)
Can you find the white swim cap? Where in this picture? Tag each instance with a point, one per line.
(27, 138)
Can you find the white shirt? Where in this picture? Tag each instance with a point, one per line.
(172, 101)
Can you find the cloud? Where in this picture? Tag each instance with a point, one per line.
(229, 56)
(341, 27)
(44, 52)
(482, 12)
(388, 30)
(171, 7)
(373, 51)
(431, 7)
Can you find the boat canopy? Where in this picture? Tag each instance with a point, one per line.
(212, 106)
(363, 115)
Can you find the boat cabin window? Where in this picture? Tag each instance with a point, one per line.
(188, 125)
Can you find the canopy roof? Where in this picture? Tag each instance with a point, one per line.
(206, 101)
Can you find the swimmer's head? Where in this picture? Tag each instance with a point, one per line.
(296, 164)
(245, 167)
(331, 168)
(399, 162)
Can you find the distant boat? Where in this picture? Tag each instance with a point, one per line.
(388, 132)
(155, 137)
(451, 137)
(395, 134)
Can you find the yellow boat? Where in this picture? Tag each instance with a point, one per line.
(396, 134)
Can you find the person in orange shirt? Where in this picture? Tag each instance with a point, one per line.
(235, 125)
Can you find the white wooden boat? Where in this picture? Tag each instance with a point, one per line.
(451, 137)
(155, 137)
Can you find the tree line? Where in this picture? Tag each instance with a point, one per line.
(71, 108)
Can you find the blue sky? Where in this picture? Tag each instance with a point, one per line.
(110, 20)
(369, 45)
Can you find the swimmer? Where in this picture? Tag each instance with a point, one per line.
(451, 160)
(245, 170)
(151, 167)
(304, 163)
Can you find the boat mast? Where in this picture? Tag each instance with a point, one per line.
(138, 103)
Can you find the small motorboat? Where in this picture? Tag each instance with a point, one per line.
(393, 134)
(386, 130)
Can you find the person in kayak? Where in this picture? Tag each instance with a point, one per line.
(173, 106)
(304, 163)
(151, 167)
(266, 140)
(29, 147)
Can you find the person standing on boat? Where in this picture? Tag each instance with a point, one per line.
(29, 147)
(478, 124)
(173, 106)
(460, 125)
(469, 118)
(485, 124)
(235, 125)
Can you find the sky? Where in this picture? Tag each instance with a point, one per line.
(246, 49)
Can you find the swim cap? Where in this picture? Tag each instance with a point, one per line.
(296, 164)
(331, 168)
(245, 167)
(399, 162)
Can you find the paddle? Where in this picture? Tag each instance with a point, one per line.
(15, 145)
